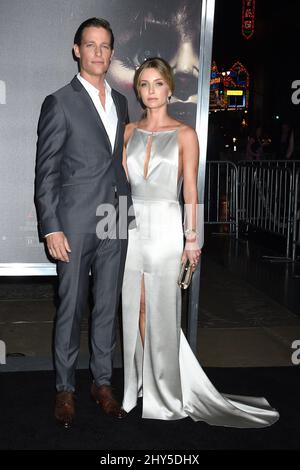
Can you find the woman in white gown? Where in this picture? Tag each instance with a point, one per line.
(160, 154)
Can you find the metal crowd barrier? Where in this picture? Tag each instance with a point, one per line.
(296, 217)
(221, 196)
(261, 194)
(292, 165)
(266, 195)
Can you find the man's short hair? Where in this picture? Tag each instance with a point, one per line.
(97, 23)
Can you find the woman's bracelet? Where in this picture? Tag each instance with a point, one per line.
(190, 231)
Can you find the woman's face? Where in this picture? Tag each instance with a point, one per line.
(153, 89)
(172, 35)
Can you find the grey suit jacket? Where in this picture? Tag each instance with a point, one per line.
(76, 168)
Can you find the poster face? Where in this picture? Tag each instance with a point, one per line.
(169, 29)
(36, 59)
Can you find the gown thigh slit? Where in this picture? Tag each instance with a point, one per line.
(142, 307)
(166, 372)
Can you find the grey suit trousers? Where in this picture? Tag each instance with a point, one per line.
(106, 260)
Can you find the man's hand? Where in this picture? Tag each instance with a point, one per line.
(58, 246)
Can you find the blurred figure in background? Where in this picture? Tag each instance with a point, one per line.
(254, 149)
(259, 145)
(286, 144)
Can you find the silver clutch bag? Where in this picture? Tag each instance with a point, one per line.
(185, 275)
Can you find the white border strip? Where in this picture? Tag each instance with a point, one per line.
(205, 52)
(27, 269)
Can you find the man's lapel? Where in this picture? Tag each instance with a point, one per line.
(119, 114)
(77, 86)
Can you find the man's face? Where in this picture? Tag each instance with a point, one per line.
(94, 52)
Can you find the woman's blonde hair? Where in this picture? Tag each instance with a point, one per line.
(158, 64)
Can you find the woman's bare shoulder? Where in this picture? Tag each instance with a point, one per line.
(187, 131)
(132, 125)
(187, 135)
(129, 130)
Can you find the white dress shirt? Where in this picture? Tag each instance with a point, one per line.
(109, 114)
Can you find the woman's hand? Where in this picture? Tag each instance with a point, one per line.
(192, 252)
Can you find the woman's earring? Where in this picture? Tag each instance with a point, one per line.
(169, 98)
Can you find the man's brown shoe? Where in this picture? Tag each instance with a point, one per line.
(103, 396)
(65, 408)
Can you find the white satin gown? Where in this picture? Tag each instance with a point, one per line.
(165, 372)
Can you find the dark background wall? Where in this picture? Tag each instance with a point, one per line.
(271, 55)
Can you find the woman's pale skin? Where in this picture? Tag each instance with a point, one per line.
(154, 92)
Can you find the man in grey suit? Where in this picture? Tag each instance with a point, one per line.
(78, 172)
